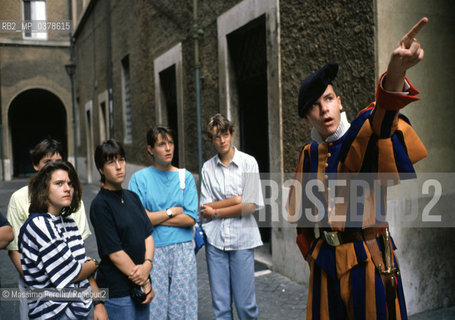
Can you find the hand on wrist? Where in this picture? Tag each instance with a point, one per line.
(148, 262)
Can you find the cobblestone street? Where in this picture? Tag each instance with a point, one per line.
(277, 296)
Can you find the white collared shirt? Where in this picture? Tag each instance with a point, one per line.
(219, 182)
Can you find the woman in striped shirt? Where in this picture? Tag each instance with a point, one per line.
(52, 251)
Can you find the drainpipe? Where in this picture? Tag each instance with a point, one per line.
(1, 151)
(196, 33)
(109, 70)
(73, 92)
(2, 157)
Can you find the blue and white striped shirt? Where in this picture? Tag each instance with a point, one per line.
(220, 182)
(52, 253)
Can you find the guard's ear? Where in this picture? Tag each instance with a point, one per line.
(306, 118)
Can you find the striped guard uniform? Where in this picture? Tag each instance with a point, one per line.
(52, 254)
(344, 283)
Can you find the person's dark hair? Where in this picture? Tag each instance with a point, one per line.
(47, 146)
(38, 188)
(221, 123)
(107, 150)
(154, 133)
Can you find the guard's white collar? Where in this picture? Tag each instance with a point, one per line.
(340, 131)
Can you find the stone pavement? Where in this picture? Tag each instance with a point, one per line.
(277, 296)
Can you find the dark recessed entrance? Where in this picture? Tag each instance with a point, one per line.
(248, 52)
(34, 115)
(169, 91)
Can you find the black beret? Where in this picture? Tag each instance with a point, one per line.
(314, 86)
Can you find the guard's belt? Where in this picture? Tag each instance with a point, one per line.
(337, 238)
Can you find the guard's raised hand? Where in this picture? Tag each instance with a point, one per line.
(406, 54)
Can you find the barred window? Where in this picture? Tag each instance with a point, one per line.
(126, 92)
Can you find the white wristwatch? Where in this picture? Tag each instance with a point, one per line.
(169, 212)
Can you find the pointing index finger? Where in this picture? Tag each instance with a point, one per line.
(415, 29)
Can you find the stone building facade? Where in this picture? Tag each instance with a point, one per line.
(253, 57)
(35, 89)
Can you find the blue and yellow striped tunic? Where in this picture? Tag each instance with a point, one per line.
(344, 283)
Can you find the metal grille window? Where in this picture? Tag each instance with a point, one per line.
(104, 122)
(127, 117)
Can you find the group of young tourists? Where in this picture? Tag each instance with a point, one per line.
(144, 233)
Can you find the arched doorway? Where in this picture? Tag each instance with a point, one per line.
(34, 115)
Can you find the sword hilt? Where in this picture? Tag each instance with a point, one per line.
(388, 268)
(387, 271)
